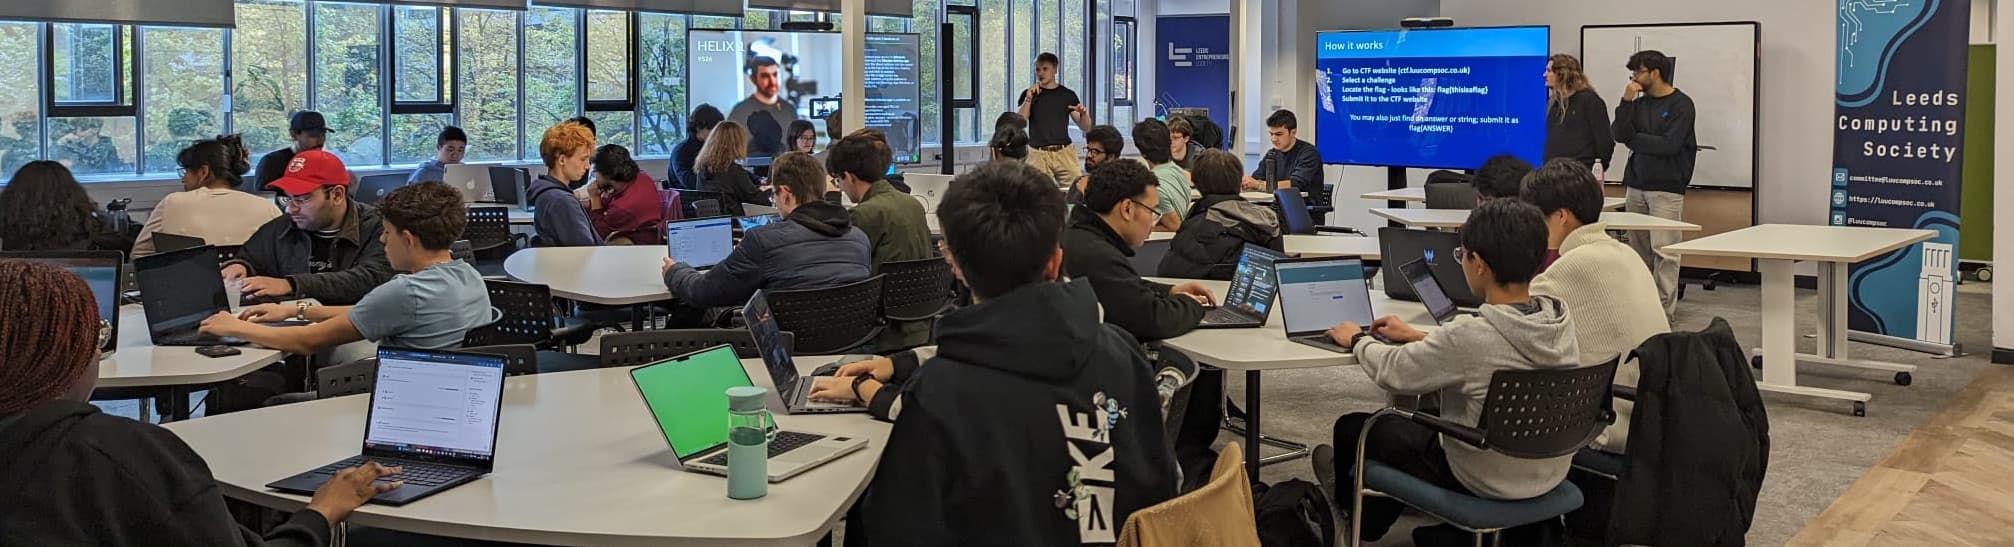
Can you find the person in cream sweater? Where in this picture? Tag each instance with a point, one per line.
(1612, 294)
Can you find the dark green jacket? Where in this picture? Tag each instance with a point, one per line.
(897, 229)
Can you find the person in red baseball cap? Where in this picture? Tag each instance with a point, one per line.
(326, 247)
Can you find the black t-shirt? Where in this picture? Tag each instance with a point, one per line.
(322, 252)
(271, 168)
(1049, 117)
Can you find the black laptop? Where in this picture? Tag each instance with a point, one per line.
(793, 388)
(178, 289)
(101, 270)
(1428, 288)
(433, 413)
(1250, 299)
(164, 242)
(1434, 247)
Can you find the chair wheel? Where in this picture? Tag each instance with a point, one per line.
(1756, 362)
(1859, 409)
(1903, 379)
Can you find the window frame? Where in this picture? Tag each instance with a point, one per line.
(634, 64)
(125, 75)
(447, 63)
(1131, 33)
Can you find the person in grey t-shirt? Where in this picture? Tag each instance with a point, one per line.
(432, 307)
(763, 73)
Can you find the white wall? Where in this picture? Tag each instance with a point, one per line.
(2003, 187)
(1797, 78)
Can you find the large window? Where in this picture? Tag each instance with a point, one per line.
(347, 80)
(490, 75)
(269, 70)
(551, 72)
(421, 52)
(183, 72)
(662, 104)
(608, 68)
(20, 100)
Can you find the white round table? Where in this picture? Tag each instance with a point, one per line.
(613, 275)
(171, 370)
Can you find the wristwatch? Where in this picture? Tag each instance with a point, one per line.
(301, 311)
(857, 380)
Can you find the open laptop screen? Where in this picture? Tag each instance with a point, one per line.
(1429, 290)
(769, 340)
(100, 271)
(700, 242)
(687, 396)
(1252, 287)
(180, 288)
(1322, 293)
(435, 404)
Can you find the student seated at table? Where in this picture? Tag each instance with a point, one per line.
(327, 247)
(720, 170)
(1611, 292)
(697, 128)
(1220, 223)
(893, 221)
(1502, 244)
(77, 476)
(1296, 163)
(623, 203)
(815, 246)
(210, 206)
(1500, 177)
(430, 308)
(43, 208)
(1010, 138)
(1033, 424)
(1172, 182)
(449, 148)
(1101, 144)
(557, 216)
(1182, 144)
(1098, 245)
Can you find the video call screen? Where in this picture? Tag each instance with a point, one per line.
(765, 79)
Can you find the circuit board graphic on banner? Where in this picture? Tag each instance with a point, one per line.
(1897, 136)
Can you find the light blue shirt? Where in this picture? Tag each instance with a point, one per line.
(429, 309)
(431, 170)
(1174, 185)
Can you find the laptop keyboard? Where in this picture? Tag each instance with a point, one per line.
(1221, 315)
(415, 473)
(784, 442)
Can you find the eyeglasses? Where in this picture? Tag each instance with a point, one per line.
(1461, 255)
(181, 171)
(1143, 205)
(297, 201)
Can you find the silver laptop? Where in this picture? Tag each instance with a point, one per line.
(1250, 300)
(1316, 294)
(751, 209)
(687, 397)
(929, 187)
(793, 388)
(699, 242)
(473, 181)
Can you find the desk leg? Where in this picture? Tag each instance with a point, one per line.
(178, 403)
(1832, 329)
(1252, 425)
(1779, 333)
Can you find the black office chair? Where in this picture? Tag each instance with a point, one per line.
(1295, 216)
(490, 238)
(703, 204)
(832, 320)
(346, 379)
(1147, 259)
(916, 290)
(1451, 195)
(630, 349)
(519, 359)
(372, 189)
(1529, 414)
(528, 318)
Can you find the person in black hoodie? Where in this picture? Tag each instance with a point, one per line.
(76, 476)
(1116, 218)
(697, 129)
(1220, 223)
(1027, 371)
(1655, 120)
(1576, 119)
(815, 246)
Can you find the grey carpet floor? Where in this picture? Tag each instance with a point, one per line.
(1818, 447)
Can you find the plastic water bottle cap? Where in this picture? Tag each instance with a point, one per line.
(746, 398)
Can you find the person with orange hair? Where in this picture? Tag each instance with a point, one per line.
(557, 216)
(76, 476)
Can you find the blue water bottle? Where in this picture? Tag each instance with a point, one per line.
(749, 429)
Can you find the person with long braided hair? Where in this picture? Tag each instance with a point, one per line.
(76, 476)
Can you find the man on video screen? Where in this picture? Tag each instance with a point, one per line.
(764, 75)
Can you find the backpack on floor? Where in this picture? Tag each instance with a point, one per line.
(1293, 514)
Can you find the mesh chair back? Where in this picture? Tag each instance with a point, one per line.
(630, 349)
(1450, 195)
(1147, 260)
(831, 320)
(372, 189)
(488, 227)
(462, 250)
(702, 204)
(227, 252)
(346, 379)
(1547, 413)
(1293, 211)
(527, 315)
(519, 359)
(915, 289)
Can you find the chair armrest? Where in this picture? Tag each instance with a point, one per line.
(1626, 393)
(1467, 435)
(573, 332)
(1338, 230)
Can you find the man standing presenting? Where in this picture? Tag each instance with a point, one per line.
(764, 75)
(309, 132)
(1048, 106)
(1655, 120)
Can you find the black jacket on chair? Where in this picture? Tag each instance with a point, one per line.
(1216, 231)
(1698, 443)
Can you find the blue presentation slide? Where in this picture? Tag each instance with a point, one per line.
(1433, 98)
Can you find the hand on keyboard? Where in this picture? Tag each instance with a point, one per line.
(351, 488)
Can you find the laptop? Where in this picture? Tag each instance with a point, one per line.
(792, 388)
(929, 187)
(508, 183)
(164, 242)
(687, 397)
(1250, 300)
(751, 209)
(1316, 294)
(178, 289)
(101, 270)
(473, 181)
(1428, 288)
(753, 221)
(699, 242)
(434, 413)
(1437, 249)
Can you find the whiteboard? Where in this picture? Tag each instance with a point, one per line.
(1715, 65)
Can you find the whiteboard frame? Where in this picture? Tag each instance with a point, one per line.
(1754, 125)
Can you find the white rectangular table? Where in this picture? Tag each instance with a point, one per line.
(1419, 194)
(579, 462)
(1255, 350)
(1778, 247)
(1313, 245)
(1453, 218)
(139, 365)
